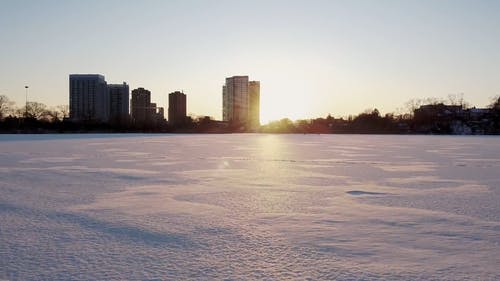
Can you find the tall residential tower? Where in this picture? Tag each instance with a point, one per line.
(118, 102)
(176, 108)
(88, 98)
(254, 104)
(240, 101)
(140, 106)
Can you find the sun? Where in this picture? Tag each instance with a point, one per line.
(273, 108)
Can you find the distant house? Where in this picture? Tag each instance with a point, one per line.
(438, 111)
(477, 114)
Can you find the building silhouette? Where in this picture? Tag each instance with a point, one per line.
(140, 106)
(254, 104)
(157, 114)
(241, 101)
(160, 114)
(88, 98)
(235, 99)
(176, 108)
(118, 102)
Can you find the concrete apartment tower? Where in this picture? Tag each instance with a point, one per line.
(235, 100)
(254, 104)
(88, 98)
(140, 106)
(176, 108)
(241, 101)
(118, 102)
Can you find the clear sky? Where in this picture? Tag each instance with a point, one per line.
(312, 57)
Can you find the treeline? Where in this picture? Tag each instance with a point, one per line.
(32, 117)
(422, 116)
(365, 123)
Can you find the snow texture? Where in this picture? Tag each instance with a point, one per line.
(249, 207)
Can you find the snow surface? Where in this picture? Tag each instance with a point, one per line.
(247, 207)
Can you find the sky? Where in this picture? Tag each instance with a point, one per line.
(312, 58)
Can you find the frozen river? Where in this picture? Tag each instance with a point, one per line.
(249, 207)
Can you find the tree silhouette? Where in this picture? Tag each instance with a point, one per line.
(35, 110)
(5, 106)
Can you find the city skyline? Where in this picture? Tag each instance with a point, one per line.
(325, 57)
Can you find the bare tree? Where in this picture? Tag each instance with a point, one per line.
(52, 114)
(57, 113)
(458, 99)
(35, 110)
(413, 104)
(432, 101)
(6, 106)
(368, 111)
(495, 102)
(64, 110)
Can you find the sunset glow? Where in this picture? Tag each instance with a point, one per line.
(312, 59)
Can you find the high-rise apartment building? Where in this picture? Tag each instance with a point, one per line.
(140, 106)
(240, 101)
(254, 103)
(118, 102)
(225, 104)
(176, 108)
(235, 99)
(88, 98)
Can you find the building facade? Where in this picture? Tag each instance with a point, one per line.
(157, 114)
(118, 102)
(176, 108)
(241, 101)
(235, 100)
(254, 104)
(88, 98)
(160, 114)
(140, 106)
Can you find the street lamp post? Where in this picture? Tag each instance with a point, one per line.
(26, 105)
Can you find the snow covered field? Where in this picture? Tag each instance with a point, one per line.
(247, 207)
